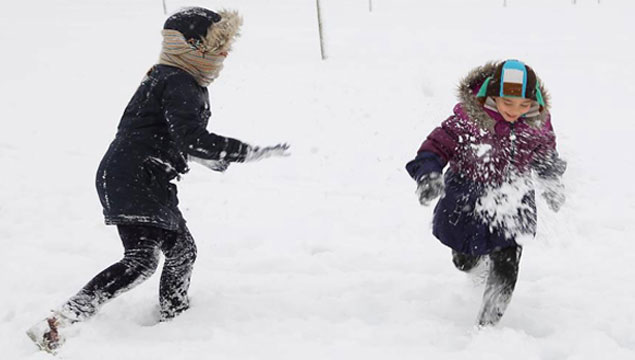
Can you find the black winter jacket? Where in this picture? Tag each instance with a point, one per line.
(164, 122)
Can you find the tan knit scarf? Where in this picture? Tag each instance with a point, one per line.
(198, 59)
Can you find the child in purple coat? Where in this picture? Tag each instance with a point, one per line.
(497, 142)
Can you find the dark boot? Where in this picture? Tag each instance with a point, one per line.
(464, 262)
(500, 285)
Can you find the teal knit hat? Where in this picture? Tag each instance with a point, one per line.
(512, 78)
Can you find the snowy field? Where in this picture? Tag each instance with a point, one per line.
(325, 254)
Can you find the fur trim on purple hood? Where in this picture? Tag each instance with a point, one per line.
(469, 86)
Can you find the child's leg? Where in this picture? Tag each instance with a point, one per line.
(464, 262)
(141, 257)
(500, 284)
(180, 255)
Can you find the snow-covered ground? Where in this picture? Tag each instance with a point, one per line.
(325, 254)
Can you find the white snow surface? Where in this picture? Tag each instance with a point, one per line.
(325, 254)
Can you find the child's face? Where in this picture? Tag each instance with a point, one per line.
(512, 108)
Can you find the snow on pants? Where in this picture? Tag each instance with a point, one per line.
(501, 280)
(142, 248)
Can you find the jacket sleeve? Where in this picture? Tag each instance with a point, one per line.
(546, 162)
(180, 107)
(425, 163)
(436, 151)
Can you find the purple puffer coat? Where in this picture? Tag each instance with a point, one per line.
(489, 200)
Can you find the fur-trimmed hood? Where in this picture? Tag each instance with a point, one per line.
(222, 34)
(469, 86)
(197, 41)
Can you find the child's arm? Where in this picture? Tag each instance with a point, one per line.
(181, 107)
(547, 163)
(550, 167)
(435, 152)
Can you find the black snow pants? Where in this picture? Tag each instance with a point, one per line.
(142, 248)
(501, 280)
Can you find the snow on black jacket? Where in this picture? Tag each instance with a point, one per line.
(164, 123)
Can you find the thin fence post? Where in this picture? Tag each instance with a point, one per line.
(370, 5)
(504, 3)
(319, 14)
(165, 8)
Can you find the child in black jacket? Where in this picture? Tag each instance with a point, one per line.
(162, 129)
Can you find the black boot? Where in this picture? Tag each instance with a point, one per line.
(464, 262)
(500, 284)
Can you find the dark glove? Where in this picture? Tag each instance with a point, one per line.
(215, 165)
(553, 193)
(429, 187)
(256, 153)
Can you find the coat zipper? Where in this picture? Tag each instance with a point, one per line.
(512, 138)
(512, 150)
